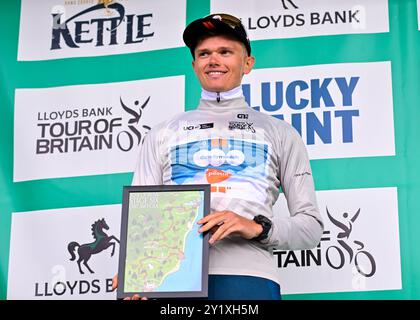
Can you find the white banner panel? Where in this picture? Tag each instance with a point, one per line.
(45, 248)
(53, 29)
(274, 19)
(89, 129)
(341, 110)
(418, 13)
(359, 250)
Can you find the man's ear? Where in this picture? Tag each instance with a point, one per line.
(249, 64)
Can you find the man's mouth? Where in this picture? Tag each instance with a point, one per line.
(215, 73)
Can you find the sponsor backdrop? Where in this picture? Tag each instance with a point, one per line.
(82, 83)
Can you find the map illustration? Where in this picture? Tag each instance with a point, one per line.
(164, 248)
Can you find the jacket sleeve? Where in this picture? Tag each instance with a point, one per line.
(303, 228)
(148, 170)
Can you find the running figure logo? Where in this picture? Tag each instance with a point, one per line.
(136, 114)
(342, 239)
(102, 242)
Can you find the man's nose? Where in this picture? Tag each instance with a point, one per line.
(213, 59)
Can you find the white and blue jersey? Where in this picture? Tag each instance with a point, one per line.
(246, 156)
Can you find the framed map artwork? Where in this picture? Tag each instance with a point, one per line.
(162, 254)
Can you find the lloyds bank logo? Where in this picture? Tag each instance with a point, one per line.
(101, 242)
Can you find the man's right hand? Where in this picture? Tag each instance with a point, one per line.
(115, 285)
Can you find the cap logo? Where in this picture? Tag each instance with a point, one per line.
(208, 25)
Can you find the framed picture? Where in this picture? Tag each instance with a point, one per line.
(162, 254)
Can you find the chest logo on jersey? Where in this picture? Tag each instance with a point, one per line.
(241, 125)
(218, 160)
(242, 116)
(199, 126)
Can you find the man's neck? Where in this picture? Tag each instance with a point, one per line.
(218, 96)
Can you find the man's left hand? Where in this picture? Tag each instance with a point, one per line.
(224, 223)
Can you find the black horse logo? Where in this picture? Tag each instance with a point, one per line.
(102, 242)
(290, 3)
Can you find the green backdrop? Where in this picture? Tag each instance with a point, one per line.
(401, 46)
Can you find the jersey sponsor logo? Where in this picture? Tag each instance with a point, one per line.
(217, 160)
(217, 157)
(306, 173)
(199, 126)
(216, 175)
(240, 125)
(242, 116)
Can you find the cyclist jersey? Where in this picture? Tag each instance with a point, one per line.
(246, 156)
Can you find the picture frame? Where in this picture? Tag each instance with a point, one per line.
(162, 254)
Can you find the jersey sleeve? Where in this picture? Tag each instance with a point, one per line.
(148, 170)
(303, 228)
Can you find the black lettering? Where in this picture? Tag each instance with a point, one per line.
(97, 125)
(99, 32)
(300, 19)
(43, 126)
(37, 294)
(80, 31)
(310, 256)
(42, 146)
(95, 286)
(60, 30)
(71, 287)
(47, 294)
(57, 144)
(276, 21)
(315, 18)
(81, 283)
(108, 285)
(291, 20)
(352, 16)
(60, 132)
(140, 28)
(327, 18)
(55, 288)
(250, 27)
(263, 22)
(291, 258)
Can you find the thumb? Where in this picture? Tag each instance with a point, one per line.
(115, 282)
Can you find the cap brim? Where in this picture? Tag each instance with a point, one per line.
(197, 29)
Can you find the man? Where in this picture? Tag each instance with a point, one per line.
(246, 156)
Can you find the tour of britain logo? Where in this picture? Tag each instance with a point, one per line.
(101, 126)
(65, 132)
(342, 252)
(101, 242)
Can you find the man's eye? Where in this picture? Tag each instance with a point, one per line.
(202, 54)
(225, 52)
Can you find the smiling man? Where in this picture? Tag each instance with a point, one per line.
(246, 156)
